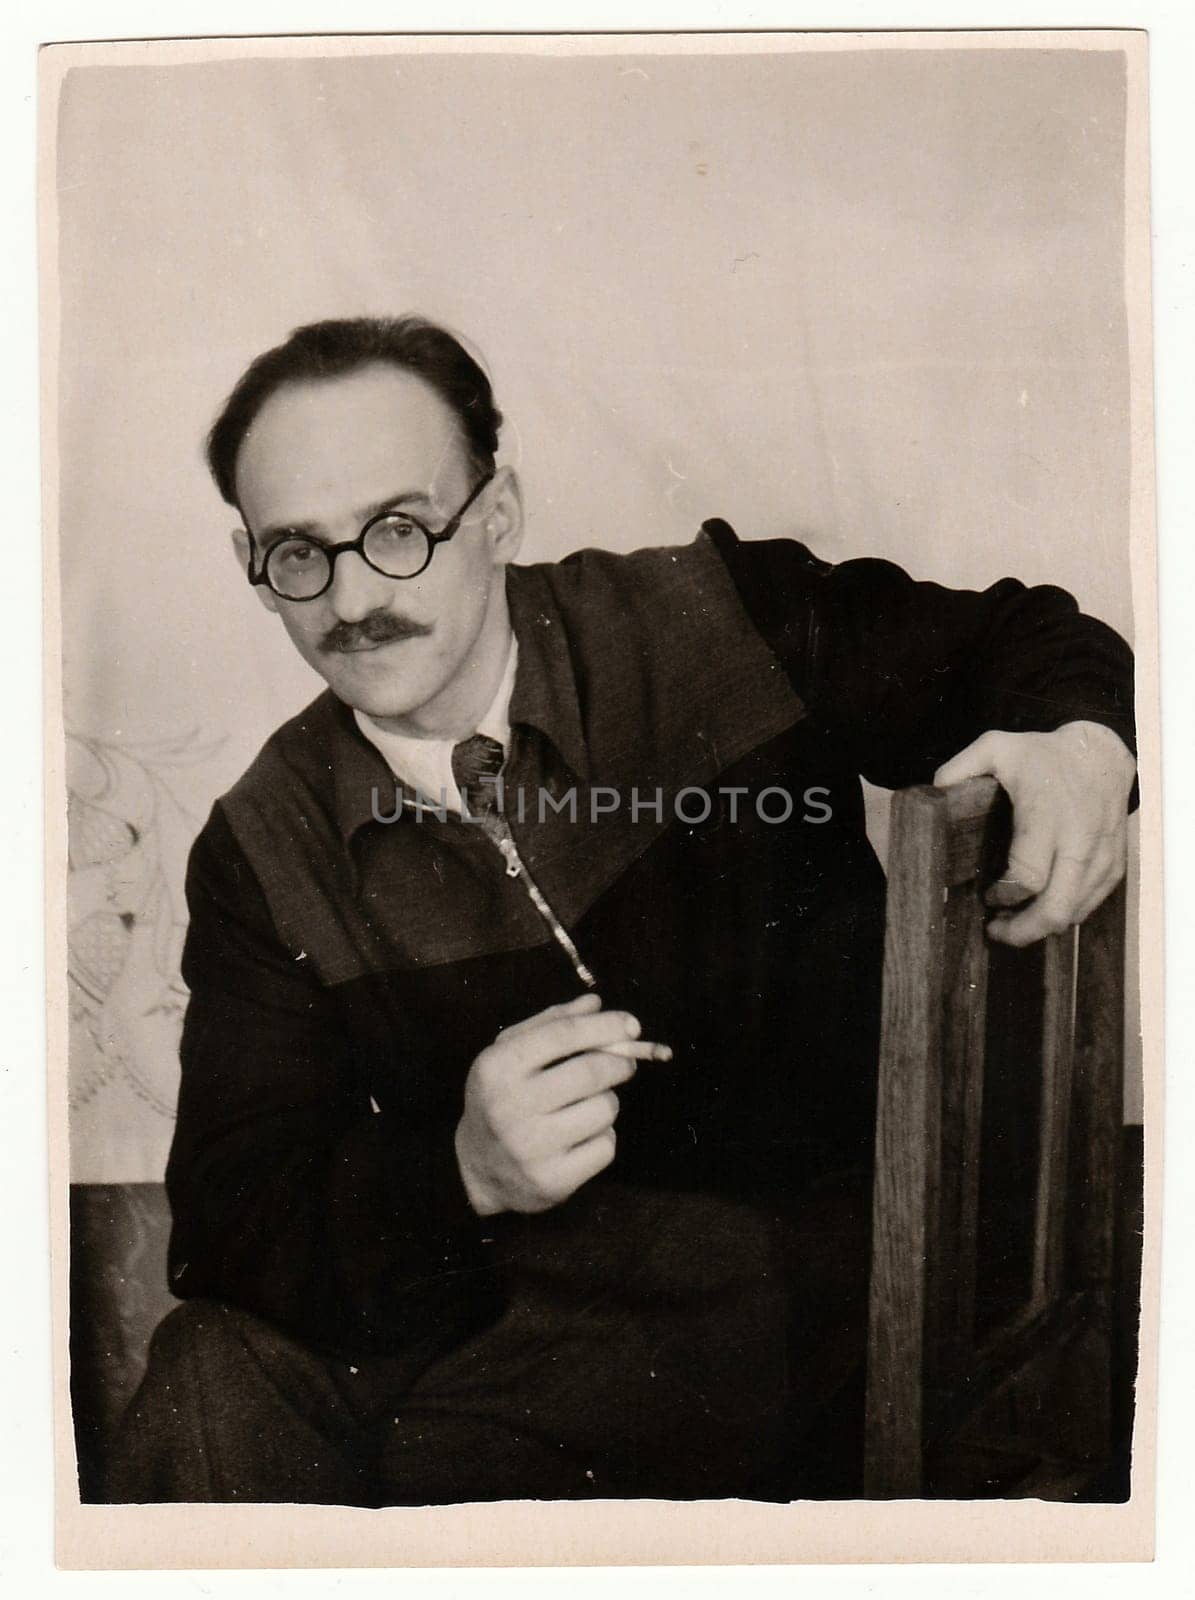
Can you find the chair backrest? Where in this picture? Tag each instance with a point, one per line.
(968, 1026)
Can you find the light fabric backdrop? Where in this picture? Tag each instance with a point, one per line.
(874, 299)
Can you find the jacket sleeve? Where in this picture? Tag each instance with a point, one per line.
(291, 1197)
(902, 675)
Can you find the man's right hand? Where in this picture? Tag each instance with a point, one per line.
(540, 1105)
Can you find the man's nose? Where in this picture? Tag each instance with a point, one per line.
(356, 589)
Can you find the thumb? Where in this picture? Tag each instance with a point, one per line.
(1030, 858)
(978, 760)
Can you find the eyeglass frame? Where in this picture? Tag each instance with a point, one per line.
(332, 551)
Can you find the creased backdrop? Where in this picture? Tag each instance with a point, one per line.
(874, 298)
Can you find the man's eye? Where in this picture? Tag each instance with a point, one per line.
(295, 555)
(394, 531)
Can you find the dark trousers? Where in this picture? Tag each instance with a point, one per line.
(677, 1349)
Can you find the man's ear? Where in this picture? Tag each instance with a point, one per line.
(503, 521)
(241, 545)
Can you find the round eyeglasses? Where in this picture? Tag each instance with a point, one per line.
(393, 543)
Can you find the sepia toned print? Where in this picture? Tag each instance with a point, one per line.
(503, 1075)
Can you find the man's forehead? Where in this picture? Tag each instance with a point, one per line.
(318, 449)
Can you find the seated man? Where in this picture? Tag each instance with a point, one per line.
(528, 1074)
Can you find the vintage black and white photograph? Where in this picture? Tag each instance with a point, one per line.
(598, 581)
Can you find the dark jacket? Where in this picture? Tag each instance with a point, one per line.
(344, 971)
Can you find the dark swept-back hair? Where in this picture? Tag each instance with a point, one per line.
(335, 348)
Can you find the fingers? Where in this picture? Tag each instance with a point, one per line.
(535, 1141)
(1031, 853)
(580, 1078)
(1099, 894)
(559, 1032)
(1104, 871)
(582, 1005)
(1007, 891)
(1028, 872)
(540, 1105)
(1053, 911)
(578, 1123)
(560, 1035)
(569, 1171)
(1068, 790)
(587, 1005)
(1036, 873)
(978, 760)
(1076, 883)
(1076, 887)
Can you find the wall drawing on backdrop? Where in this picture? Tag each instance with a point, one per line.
(128, 838)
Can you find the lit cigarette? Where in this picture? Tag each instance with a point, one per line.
(639, 1050)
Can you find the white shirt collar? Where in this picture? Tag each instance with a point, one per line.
(425, 765)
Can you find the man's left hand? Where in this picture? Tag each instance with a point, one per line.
(1069, 791)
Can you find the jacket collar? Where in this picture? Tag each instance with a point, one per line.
(545, 698)
(545, 692)
(359, 772)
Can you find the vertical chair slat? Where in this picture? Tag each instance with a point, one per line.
(1099, 1088)
(962, 1107)
(1057, 1062)
(907, 1144)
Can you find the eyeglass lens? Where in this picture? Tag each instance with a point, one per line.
(300, 568)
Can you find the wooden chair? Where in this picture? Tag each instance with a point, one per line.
(990, 1324)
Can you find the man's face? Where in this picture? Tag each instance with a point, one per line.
(322, 458)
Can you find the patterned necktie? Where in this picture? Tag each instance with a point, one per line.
(472, 760)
